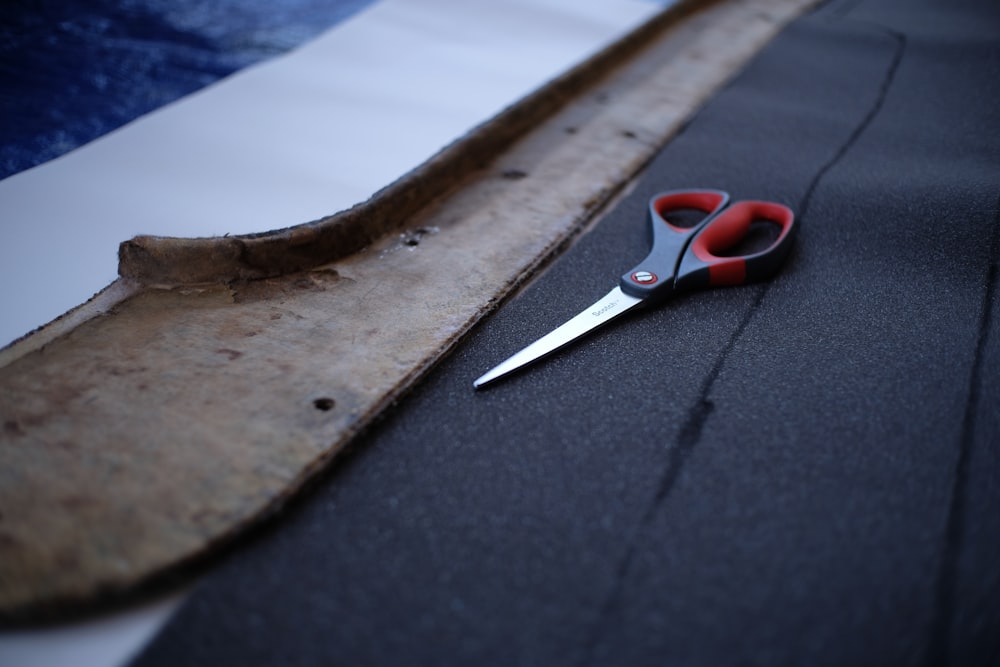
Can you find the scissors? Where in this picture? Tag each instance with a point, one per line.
(682, 258)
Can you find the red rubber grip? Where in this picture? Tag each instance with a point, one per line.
(708, 202)
(728, 229)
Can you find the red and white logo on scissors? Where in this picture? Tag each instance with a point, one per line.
(644, 277)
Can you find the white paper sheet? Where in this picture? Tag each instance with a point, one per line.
(102, 642)
(288, 141)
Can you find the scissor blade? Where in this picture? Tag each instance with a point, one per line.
(611, 306)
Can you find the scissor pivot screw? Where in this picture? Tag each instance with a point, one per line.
(644, 277)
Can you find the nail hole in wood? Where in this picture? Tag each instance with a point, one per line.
(324, 403)
(413, 237)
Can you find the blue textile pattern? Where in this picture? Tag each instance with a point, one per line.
(73, 70)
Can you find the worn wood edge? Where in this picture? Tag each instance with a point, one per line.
(100, 303)
(587, 205)
(159, 260)
(163, 261)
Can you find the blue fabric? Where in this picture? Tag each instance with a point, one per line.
(73, 70)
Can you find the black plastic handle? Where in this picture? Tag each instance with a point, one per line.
(653, 277)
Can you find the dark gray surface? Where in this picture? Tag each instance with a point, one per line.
(799, 472)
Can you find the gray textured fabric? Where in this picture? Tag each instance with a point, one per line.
(803, 471)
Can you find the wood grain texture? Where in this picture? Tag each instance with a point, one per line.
(144, 432)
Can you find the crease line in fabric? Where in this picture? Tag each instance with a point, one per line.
(690, 433)
(939, 643)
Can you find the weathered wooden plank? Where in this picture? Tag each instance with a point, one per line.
(163, 420)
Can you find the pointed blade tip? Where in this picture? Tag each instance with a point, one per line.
(483, 380)
(612, 305)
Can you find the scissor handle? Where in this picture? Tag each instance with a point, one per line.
(654, 276)
(703, 266)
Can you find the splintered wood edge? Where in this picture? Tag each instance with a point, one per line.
(515, 211)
